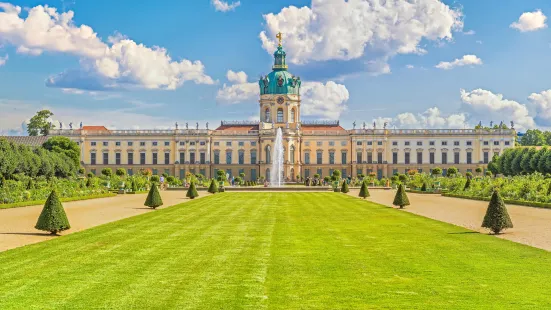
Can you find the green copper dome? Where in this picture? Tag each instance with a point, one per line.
(279, 81)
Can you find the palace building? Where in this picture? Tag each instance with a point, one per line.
(310, 147)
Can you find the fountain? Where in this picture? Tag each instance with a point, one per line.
(276, 175)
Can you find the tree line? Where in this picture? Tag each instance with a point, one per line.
(519, 161)
(536, 137)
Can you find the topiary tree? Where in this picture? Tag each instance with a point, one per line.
(344, 188)
(81, 170)
(469, 175)
(478, 170)
(364, 192)
(192, 191)
(403, 178)
(467, 184)
(90, 175)
(497, 218)
(53, 217)
(401, 198)
(107, 172)
(213, 187)
(89, 182)
(424, 187)
(155, 179)
(488, 173)
(436, 171)
(134, 185)
(238, 180)
(153, 199)
(120, 172)
(549, 189)
(452, 171)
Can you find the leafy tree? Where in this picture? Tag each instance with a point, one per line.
(516, 167)
(170, 179)
(533, 137)
(153, 199)
(497, 218)
(153, 179)
(221, 175)
(134, 185)
(478, 170)
(452, 171)
(488, 173)
(493, 166)
(469, 175)
(526, 161)
(39, 123)
(436, 171)
(401, 198)
(364, 191)
(327, 178)
(467, 184)
(53, 217)
(64, 145)
(192, 191)
(403, 178)
(336, 175)
(543, 160)
(536, 158)
(344, 188)
(120, 172)
(107, 172)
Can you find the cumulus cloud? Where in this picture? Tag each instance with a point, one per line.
(239, 90)
(542, 105)
(3, 60)
(224, 6)
(345, 30)
(431, 118)
(466, 60)
(120, 62)
(530, 21)
(410, 66)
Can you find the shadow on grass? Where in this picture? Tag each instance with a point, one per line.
(144, 208)
(463, 233)
(27, 234)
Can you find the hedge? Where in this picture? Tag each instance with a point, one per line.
(534, 204)
(414, 191)
(41, 202)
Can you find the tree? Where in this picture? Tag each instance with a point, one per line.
(452, 171)
(39, 123)
(469, 175)
(549, 189)
(153, 179)
(192, 191)
(536, 158)
(344, 188)
(89, 182)
(467, 184)
(533, 137)
(478, 170)
(64, 145)
(424, 187)
(403, 178)
(242, 175)
(436, 171)
(364, 191)
(497, 218)
(213, 187)
(526, 161)
(336, 175)
(153, 199)
(488, 173)
(238, 180)
(493, 166)
(221, 175)
(107, 172)
(134, 185)
(120, 172)
(401, 198)
(53, 217)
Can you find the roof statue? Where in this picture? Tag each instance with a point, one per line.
(279, 37)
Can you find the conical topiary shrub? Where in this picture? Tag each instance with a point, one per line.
(134, 186)
(549, 190)
(344, 188)
(213, 188)
(153, 199)
(424, 187)
(364, 192)
(497, 218)
(192, 191)
(401, 198)
(467, 184)
(53, 217)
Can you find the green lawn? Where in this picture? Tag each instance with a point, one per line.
(276, 251)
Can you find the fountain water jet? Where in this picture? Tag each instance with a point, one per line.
(276, 175)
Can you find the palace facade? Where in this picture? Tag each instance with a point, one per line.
(311, 147)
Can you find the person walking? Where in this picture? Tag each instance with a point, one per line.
(162, 180)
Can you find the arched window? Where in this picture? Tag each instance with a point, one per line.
(267, 173)
(280, 115)
(292, 155)
(268, 154)
(293, 120)
(267, 115)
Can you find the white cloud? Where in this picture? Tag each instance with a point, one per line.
(431, 118)
(466, 60)
(344, 30)
(484, 105)
(3, 60)
(239, 90)
(224, 6)
(542, 105)
(469, 33)
(121, 63)
(410, 66)
(530, 21)
(237, 77)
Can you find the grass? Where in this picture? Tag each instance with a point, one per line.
(41, 202)
(276, 251)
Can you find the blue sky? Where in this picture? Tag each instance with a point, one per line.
(358, 68)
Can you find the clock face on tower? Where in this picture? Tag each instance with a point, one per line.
(280, 100)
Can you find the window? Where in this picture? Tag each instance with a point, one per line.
(93, 143)
(507, 142)
(253, 143)
(106, 158)
(359, 157)
(241, 143)
(419, 158)
(130, 172)
(307, 158)
(253, 158)
(228, 157)
(280, 115)
(486, 157)
(130, 158)
(343, 143)
(228, 143)
(192, 157)
(182, 157)
(319, 143)
(344, 172)
(369, 142)
(319, 171)
(394, 143)
(469, 143)
(118, 143)
(331, 158)
(202, 159)
(293, 116)
(486, 143)
(241, 157)
(444, 158)
(217, 157)
(357, 142)
(155, 172)
(292, 154)
(215, 143)
(369, 157)
(167, 158)
(267, 116)
(105, 143)
(456, 143)
(154, 143)
(130, 143)
(496, 142)
(419, 143)
(379, 142)
(319, 157)
(167, 143)
(306, 173)
(307, 143)
(167, 171)
(444, 142)
(253, 174)
(92, 158)
(117, 158)
(469, 158)
(456, 158)
(142, 143)
(142, 158)
(431, 142)
(155, 158)
(331, 143)
(359, 171)
(395, 157)
(431, 158)
(406, 158)
(268, 155)
(379, 157)
(343, 158)
(202, 143)
(406, 143)
(192, 143)
(93, 171)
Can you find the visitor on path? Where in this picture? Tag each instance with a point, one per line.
(162, 180)
(232, 181)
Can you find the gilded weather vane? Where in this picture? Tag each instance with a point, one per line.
(278, 36)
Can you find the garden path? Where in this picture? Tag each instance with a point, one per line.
(17, 224)
(532, 225)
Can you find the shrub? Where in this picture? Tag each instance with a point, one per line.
(497, 218)
(436, 171)
(452, 171)
(364, 191)
(192, 191)
(90, 175)
(107, 172)
(469, 175)
(213, 187)
(327, 178)
(155, 179)
(89, 182)
(488, 173)
(120, 172)
(53, 217)
(134, 185)
(170, 179)
(238, 180)
(403, 178)
(153, 199)
(81, 170)
(467, 184)
(317, 176)
(478, 170)
(165, 175)
(424, 187)
(344, 188)
(401, 198)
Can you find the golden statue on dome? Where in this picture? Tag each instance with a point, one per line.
(278, 36)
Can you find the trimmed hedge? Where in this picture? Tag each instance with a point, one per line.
(534, 204)
(41, 202)
(414, 191)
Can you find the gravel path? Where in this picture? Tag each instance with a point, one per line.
(532, 226)
(17, 224)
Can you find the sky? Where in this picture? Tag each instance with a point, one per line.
(410, 63)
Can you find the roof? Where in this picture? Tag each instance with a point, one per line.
(27, 140)
(243, 128)
(322, 127)
(96, 128)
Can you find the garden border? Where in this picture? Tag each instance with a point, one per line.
(542, 205)
(41, 202)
